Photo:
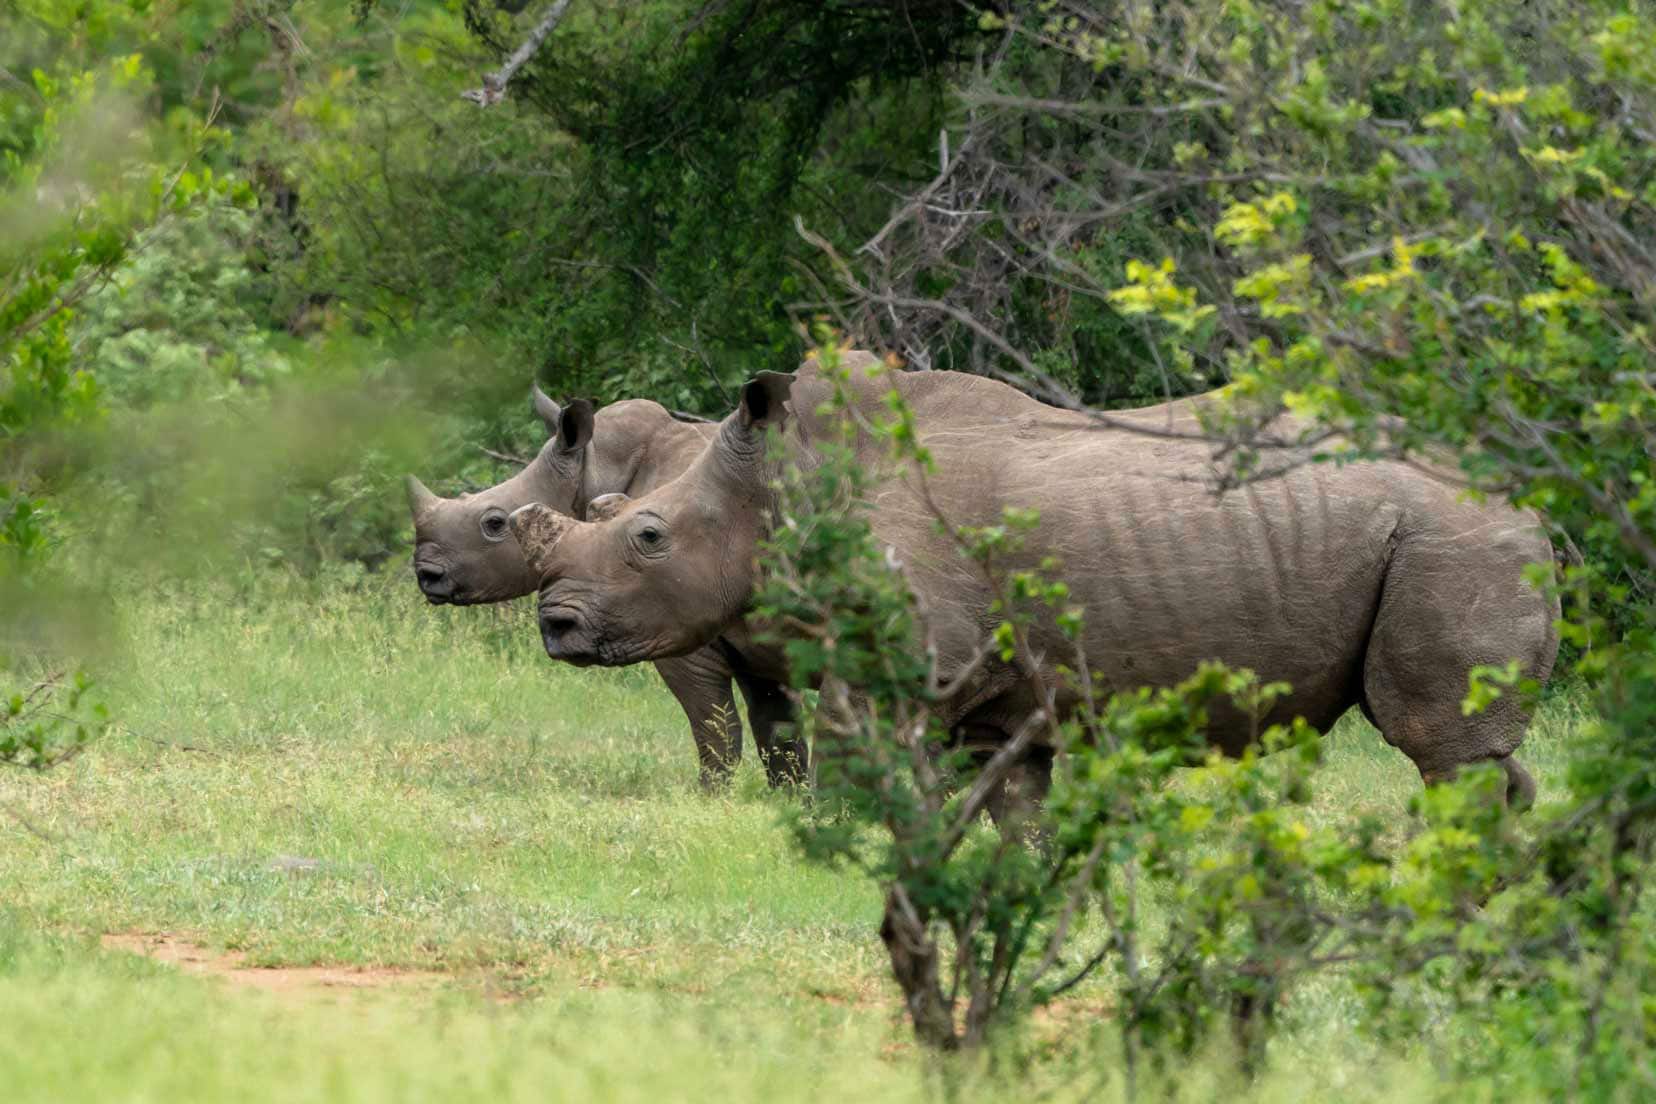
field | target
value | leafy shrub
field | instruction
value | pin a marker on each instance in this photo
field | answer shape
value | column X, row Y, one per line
column 1205, row 901
column 183, row 318
column 1422, row 231
column 48, row 722
column 79, row 179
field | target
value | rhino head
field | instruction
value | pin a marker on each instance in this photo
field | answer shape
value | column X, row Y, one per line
column 665, row 573
column 464, row 552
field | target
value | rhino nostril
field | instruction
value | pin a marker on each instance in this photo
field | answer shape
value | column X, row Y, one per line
column 430, row 576
column 557, row 626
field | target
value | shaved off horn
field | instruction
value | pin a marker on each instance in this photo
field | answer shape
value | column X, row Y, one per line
column 538, row 528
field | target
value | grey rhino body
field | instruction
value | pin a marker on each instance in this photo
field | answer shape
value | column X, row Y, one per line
column 464, row 554
column 1375, row 585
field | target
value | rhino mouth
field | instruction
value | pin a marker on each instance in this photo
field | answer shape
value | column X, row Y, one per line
column 566, row 636
column 435, row 582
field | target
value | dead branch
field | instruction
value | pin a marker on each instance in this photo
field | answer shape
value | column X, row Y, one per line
column 494, row 84
column 504, row 457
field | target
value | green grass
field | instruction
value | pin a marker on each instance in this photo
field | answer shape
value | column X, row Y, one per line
column 530, row 830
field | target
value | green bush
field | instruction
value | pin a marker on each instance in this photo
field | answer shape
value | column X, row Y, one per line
column 1419, row 231
column 81, row 176
column 184, row 318
column 1536, row 939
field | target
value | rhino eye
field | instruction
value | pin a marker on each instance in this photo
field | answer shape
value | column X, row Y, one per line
column 648, row 536
column 493, row 525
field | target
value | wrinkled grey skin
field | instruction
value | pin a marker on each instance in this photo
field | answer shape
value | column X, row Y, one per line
column 465, row 554
column 1372, row 585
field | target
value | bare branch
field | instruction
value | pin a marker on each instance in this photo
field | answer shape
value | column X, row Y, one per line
column 1084, row 108
column 494, row 84
column 503, row 457
column 992, row 774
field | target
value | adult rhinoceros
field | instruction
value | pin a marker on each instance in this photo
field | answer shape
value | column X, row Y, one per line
column 1374, row 585
column 465, row 554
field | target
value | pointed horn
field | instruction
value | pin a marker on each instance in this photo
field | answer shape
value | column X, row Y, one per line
column 420, row 500
column 545, row 408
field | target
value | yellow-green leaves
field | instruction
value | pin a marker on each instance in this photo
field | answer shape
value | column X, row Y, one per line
column 1402, row 269
column 1250, row 225
column 1152, row 291
column 1449, row 117
column 1549, row 156
column 1193, row 818
column 1507, row 98
column 1572, row 286
column 1485, row 683
column 1278, row 288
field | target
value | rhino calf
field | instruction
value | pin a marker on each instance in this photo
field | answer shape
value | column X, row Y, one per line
column 464, row 554
column 1371, row 585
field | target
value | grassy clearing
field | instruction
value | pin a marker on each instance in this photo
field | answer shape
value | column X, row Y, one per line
column 347, row 777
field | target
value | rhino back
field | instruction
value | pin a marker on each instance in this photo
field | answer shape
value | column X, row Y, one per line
column 1284, row 576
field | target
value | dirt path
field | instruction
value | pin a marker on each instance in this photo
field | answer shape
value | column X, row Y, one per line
column 294, row 981
column 1054, row 1021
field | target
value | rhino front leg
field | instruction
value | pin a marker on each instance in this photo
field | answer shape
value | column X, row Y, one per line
column 701, row 683
column 1015, row 805
column 786, row 758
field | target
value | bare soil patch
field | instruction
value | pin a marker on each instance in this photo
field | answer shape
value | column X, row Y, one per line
column 298, row 981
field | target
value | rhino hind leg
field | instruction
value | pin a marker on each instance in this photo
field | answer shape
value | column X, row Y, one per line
column 1445, row 608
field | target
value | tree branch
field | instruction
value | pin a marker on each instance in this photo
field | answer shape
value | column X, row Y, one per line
column 494, row 84
column 504, row 457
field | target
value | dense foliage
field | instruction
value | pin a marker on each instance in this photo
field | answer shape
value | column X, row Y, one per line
column 83, row 176
column 1425, row 230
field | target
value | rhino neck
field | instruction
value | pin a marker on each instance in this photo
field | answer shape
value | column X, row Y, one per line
column 549, row 479
column 736, row 468
column 638, row 447
column 669, row 453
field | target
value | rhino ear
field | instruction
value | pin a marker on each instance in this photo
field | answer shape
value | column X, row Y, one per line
column 574, row 427
column 764, row 399
column 606, row 506
column 545, row 409
column 538, row 528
